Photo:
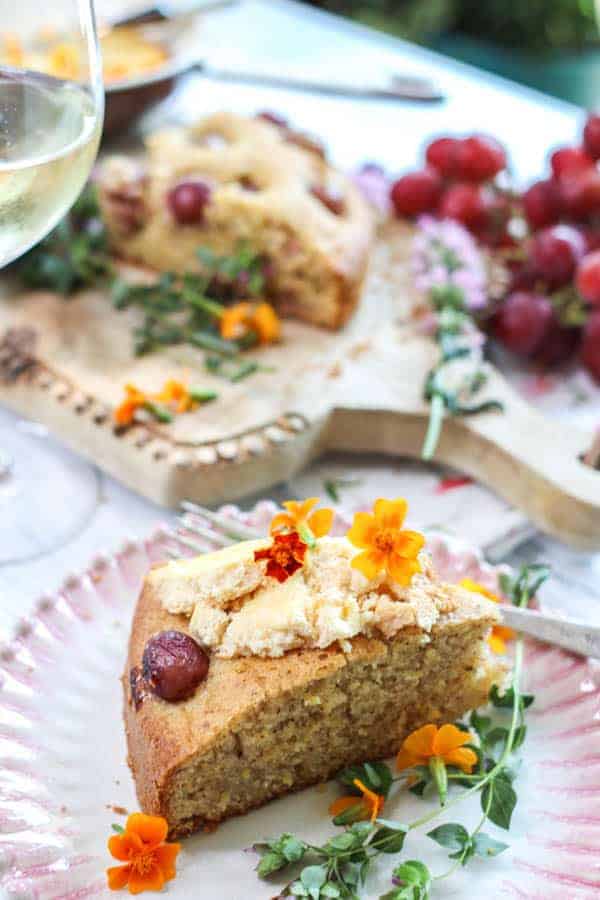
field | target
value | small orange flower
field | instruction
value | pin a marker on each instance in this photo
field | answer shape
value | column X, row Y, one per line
column 284, row 556
column 134, row 399
column 177, row 394
column 430, row 742
column 63, row 62
column 13, row 50
column 149, row 862
column 299, row 518
column 384, row 543
column 500, row 634
column 243, row 318
column 368, row 806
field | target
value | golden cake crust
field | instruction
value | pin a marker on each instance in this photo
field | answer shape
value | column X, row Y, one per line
column 163, row 737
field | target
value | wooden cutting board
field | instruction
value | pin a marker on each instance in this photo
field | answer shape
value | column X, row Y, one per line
column 64, row 362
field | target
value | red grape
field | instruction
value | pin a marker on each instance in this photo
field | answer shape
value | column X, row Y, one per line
column 522, row 321
column 497, row 212
column 441, row 155
column 581, row 194
column 555, row 253
column 558, row 345
column 523, row 277
column 416, row 193
column 465, row 203
column 592, row 239
column 479, row 158
column 590, row 348
column 542, row 204
column 588, row 277
column 570, row 161
column 591, row 135
column 188, row 201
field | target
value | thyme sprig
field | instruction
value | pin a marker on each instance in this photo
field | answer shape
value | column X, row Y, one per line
column 338, row 867
column 451, row 272
column 454, row 383
column 175, row 309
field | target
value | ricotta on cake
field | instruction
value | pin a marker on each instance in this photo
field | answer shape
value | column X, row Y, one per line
column 323, row 670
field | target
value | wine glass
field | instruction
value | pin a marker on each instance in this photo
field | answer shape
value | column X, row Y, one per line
column 51, row 111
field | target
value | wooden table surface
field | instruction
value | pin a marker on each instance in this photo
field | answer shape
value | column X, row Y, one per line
column 288, row 37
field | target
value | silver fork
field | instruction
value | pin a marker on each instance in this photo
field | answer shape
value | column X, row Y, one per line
column 203, row 530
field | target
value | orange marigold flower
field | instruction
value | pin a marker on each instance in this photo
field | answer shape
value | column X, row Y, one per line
column 385, row 544
column 300, row 518
column 134, row 399
column 175, row 393
column 285, row 555
column 149, row 862
column 430, row 742
column 499, row 634
column 367, row 807
column 243, row 318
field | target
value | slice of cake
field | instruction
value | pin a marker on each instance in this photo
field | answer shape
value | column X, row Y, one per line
column 268, row 666
column 231, row 181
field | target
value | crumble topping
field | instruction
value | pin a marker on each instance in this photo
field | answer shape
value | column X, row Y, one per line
column 237, row 610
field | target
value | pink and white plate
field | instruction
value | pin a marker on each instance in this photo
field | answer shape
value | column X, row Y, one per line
column 64, row 778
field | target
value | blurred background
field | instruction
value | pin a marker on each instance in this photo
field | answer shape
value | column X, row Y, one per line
column 552, row 45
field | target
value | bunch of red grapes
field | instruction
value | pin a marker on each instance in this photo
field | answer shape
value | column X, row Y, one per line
column 551, row 311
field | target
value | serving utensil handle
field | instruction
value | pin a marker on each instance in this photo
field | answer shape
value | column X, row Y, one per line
column 578, row 637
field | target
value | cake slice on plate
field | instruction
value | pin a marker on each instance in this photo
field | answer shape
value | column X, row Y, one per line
column 270, row 665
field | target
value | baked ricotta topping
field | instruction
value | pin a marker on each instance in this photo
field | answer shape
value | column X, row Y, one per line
column 236, row 609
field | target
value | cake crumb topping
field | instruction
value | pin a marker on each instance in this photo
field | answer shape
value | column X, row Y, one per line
column 238, row 610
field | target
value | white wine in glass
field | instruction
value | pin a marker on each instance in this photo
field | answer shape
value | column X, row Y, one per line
column 51, row 111
column 49, row 124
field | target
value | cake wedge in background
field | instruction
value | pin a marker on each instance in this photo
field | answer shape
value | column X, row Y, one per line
column 231, row 182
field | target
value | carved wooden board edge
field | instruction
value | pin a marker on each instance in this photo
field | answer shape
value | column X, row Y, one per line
column 52, row 398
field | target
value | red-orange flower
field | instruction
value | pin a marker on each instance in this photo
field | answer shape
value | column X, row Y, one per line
column 385, row 544
column 243, row 318
column 500, row 634
column 299, row 516
column 134, row 399
column 367, row 807
column 149, row 862
column 285, row 555
column 430, row 742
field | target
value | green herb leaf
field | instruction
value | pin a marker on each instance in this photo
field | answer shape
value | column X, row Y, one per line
column 416, row 875
column 452, row 835
column 390, row 840
column 312, row 879
column 117, row 828
column 507, row 699
column 486, row 846
column 199, row 395
column 480, row 724
column 498, row 799
column 332, row 486
column 270, row 862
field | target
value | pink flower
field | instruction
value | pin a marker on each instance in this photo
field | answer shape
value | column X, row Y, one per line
column 444, row 254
